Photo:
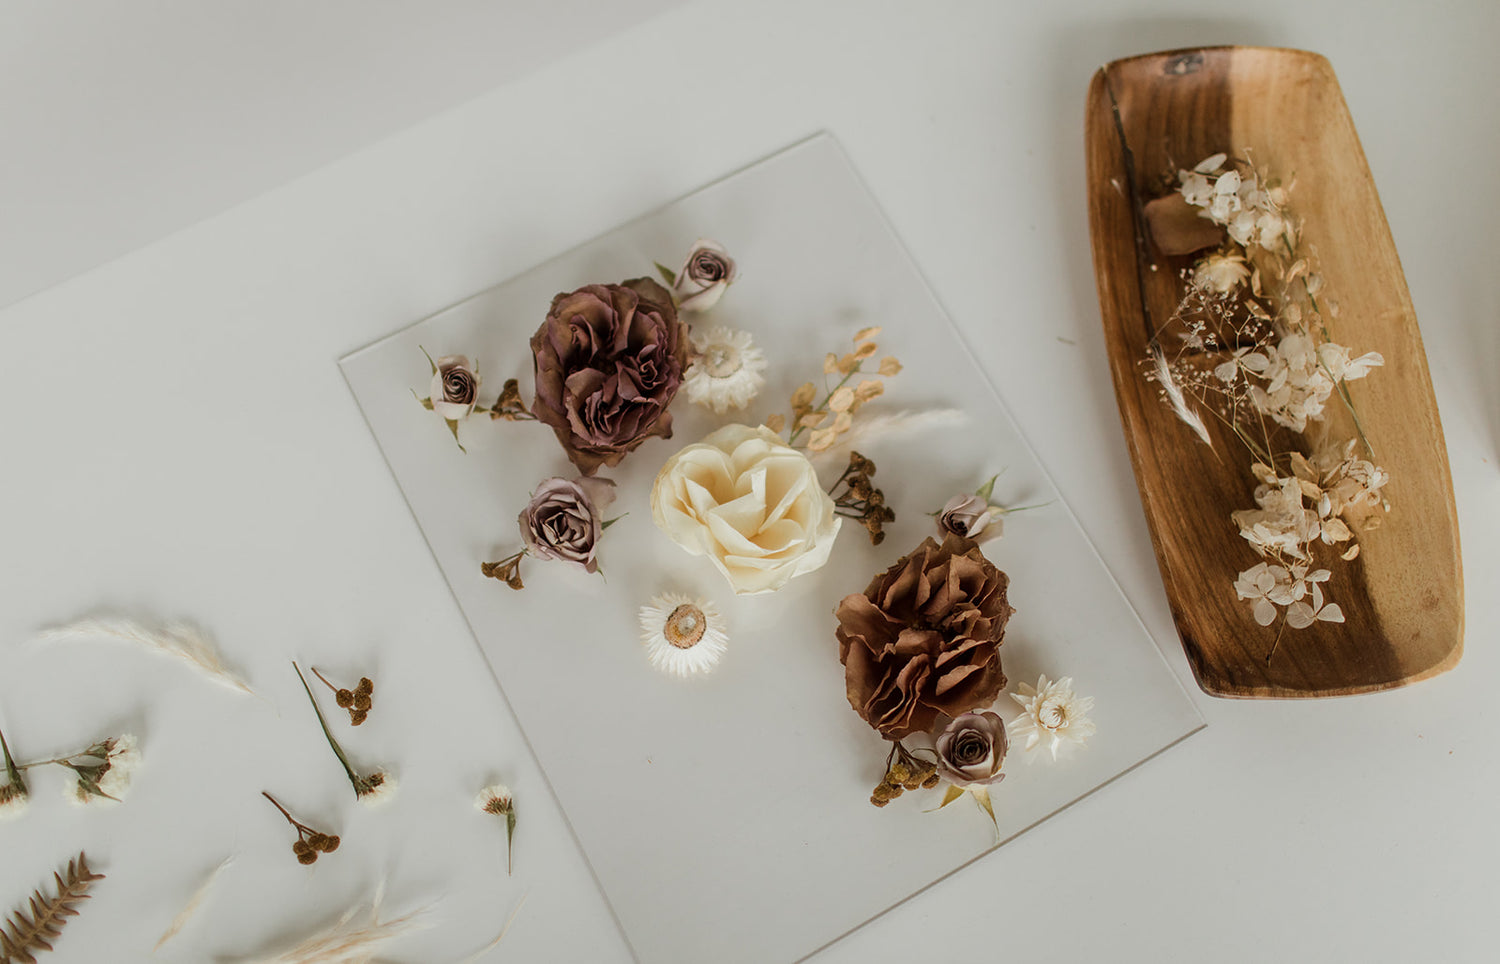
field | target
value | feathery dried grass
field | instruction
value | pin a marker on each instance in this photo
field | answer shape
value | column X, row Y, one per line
column 194, row 902
column 179, row 639
column 345, row 942
column 867, row 430
column 1175, row 397
column 25, row 932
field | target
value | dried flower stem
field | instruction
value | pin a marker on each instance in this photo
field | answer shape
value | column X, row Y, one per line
column 338, row 751
column 507, row 570
column 11, row 770
column 823, row 405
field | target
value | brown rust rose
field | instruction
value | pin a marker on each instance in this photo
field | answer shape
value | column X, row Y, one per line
column 564, row 520
column 924, row 638
column 971, row 750
column 608, row 360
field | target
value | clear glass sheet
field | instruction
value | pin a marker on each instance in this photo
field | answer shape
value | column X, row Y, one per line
column 726, row 817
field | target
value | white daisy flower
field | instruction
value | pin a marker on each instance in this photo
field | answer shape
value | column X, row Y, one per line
column 376, row 789
column 13, row 800
column 497, row 801
column 110, row 778
column 683, row 635
column 726, row 369
column 1052, row 713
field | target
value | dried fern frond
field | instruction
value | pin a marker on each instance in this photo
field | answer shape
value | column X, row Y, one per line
column 182, row 640
column 191, row 907
column 29, row 931
column 346, row 943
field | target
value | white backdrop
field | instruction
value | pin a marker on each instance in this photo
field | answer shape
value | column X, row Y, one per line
column 179, row 441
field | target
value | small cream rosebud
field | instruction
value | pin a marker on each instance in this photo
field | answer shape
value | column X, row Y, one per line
column 706, row 272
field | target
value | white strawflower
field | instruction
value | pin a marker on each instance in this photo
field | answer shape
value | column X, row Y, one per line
column 122, row 761
column 683, row 635
column 377, row 789
column 497, row 801
column 1052, row 714
column 726, row 369
column 110, row 778
column 13, row 800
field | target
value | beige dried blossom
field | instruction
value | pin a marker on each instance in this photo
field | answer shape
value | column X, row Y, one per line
column 842, row 400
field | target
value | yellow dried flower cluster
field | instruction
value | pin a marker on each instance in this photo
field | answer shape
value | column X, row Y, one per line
column 834, row 415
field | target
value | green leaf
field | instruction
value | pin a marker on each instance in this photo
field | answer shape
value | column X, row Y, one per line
column 426, row 402
column 666, row 273
column 453, row 427
column 609, row 522
column 988, row 489
column 429, row 360
column 338, row 751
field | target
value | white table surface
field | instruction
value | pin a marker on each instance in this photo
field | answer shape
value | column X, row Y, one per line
column 178, row 441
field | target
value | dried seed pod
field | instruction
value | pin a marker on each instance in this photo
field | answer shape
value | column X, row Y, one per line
column 366, row 687
column 344, row 698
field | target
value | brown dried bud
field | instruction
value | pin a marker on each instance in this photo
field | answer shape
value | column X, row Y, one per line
column 331, row 843
column 879, row 802
column 302, row 847
column 344, row 698
column 366, row 687
column 307, row 858
column 882, row 792
column 315, row 840
column 362, row 702
column 931, row 781
column 899, row 773
column 356, row 717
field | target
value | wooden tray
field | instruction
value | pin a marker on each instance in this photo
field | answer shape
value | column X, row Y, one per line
column 1403, row 596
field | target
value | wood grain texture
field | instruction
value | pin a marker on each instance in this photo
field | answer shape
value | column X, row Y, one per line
column 1403, row 596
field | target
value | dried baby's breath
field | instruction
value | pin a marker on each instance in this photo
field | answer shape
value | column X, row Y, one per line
column 1257, row 354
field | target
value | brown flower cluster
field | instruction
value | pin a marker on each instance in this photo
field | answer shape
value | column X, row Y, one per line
column 357, row 701
column 903, row 771
column 834, row 415
column 310, row 843
column 923, row 640
column 855, row 497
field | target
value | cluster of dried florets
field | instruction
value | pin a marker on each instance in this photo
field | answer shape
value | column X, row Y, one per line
column 855, row 497
column 903, row 771
column 357, row 701
column 833, row 416
column 1256, row 348
column 310, row 843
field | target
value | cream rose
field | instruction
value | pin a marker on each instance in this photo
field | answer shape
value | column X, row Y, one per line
column 750, row 503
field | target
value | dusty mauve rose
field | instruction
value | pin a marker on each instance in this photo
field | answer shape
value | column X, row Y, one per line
column 924, row 639
column 968, row 516
column 564, row 520
column 455, row 387
column 971, row 750
column 706, row 272
column 609, row 360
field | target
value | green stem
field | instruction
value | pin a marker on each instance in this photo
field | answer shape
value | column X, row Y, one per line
column 337, row 750
column 11, row 770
